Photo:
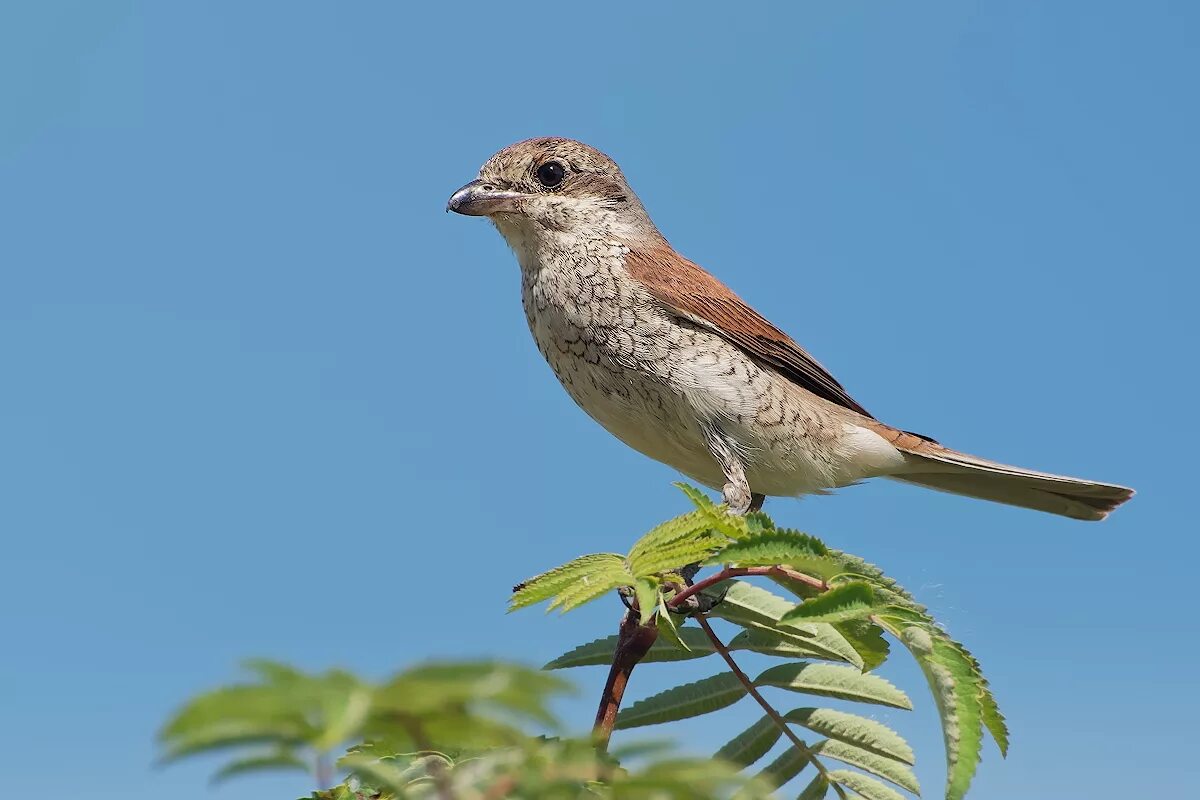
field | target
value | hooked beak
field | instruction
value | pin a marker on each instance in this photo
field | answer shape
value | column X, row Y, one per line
column 480, row 199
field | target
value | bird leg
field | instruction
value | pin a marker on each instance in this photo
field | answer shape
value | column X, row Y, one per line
column 736, row 491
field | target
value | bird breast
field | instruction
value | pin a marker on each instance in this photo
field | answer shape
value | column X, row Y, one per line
column 655, row 381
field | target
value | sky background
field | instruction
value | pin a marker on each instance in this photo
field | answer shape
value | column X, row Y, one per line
column 261, row 397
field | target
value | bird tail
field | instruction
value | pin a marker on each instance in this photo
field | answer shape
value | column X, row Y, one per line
column 933, row 466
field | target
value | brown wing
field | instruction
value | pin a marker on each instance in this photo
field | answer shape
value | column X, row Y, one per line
column 692, row 293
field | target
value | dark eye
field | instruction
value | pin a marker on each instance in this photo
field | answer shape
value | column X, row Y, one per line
column 551, row 174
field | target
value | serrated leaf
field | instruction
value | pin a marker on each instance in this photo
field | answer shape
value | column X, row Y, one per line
column 815, row 790
column 873, row 763
column 863, row 786
column 681, row 702
column 677, row 542
column 993, row 720
column 589, row 587
column 853, row 565
column 908, row 616
column 549, row 584
column 957, row 694
column 867, row 640
column 600, row 652
column 731, row 525
column 751, row 744
column 674, row 557
column 754, row 607
column 802, row 552
column 748, row 605
column 768, row 643
column 788, row 765
column 846, row 602
column 758, row 522
column 265, row 762
column 834, row 680
column 853, row 729
column 698, row 498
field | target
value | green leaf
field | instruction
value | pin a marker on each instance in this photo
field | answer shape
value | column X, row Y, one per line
column 646, row 590
column 768, row 643
column 800, row 551
column 847, row 602
column 834, row 680
column 730, row 525
column 265, row 762
column 758, row 522
column 993, row 720
column 600, row 652
column 863, row 786
column 853, row 565
column 907, row 616
column 754, row 607
column 698, row 498
column 675, row 543
column 589, row 587
column 788, row 765
column 347, row 720
column 853, row 729
column 873, row 763
column 225, row 734
column 442, row 692
column 957, row 693
column 678, row 555
column 586, row 571
column 815, row 790
column 751, row 744
column 681, row 702
column 867, row 640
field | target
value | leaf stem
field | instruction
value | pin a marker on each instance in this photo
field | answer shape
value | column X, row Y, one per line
column 633, row 641
column 737, row 572
column 779, row 721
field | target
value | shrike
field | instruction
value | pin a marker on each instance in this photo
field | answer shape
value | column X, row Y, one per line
column 673, row 363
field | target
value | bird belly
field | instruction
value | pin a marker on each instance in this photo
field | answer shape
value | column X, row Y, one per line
column 639, row 408
column 658, row 382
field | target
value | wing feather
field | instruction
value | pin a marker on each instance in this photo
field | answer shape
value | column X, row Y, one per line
column 692, row 293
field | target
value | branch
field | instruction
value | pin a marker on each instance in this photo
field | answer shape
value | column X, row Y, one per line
column 633, row 641
column 737, row 572
column 782, row 724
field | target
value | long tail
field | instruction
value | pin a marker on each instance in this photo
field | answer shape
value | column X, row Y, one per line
column 931, row 465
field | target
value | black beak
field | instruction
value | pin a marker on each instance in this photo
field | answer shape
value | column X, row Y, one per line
column 479, row 199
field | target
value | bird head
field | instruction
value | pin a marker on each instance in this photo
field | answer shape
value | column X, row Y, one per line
column 554, row 186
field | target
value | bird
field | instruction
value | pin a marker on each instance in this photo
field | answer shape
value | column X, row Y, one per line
column 673, row 363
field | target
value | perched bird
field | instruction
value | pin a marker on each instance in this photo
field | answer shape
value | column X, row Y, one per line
column 673, row 363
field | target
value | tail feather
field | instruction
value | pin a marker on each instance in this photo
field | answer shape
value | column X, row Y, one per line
column 947, row 470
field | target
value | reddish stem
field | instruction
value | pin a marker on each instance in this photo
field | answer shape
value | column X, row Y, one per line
column 633, row 641
column 737, row 572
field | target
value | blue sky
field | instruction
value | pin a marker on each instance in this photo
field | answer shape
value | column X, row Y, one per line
column 261, row 396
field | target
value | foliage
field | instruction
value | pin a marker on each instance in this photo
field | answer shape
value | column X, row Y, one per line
column 840, row 608
column 469, row 730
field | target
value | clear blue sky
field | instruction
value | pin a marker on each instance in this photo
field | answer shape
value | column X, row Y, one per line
column 259, row 390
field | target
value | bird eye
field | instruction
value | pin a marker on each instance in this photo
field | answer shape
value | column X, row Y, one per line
column 550, row 174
